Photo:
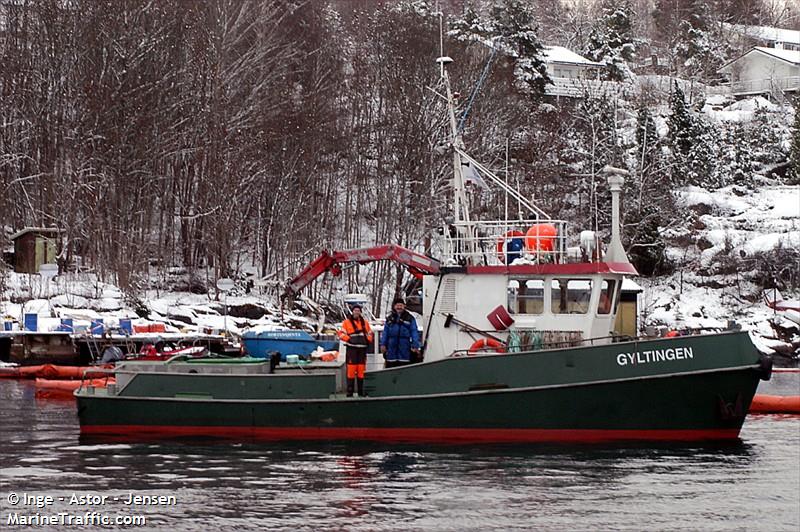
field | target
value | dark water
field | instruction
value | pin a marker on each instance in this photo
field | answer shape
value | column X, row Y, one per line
column 753, row 484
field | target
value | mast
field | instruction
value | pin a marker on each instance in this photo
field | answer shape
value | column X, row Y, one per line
column 460, row 207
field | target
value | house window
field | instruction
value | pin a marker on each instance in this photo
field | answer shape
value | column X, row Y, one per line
column 526, row 296
column 606, row 296
column 570, row 296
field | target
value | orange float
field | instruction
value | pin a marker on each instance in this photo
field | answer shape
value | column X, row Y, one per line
column 65, row 388
column 50, row 371
column 775, row 404
column 46, row 371
column 9, row 373
column 541, row 237
column 487, row 343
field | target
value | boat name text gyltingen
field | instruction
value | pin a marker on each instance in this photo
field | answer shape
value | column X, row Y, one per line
column 656, row 355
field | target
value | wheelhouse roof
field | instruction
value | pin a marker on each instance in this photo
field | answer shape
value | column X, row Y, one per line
column 581, row 268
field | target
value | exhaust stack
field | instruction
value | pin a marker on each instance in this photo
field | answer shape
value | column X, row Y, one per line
column 616, row 178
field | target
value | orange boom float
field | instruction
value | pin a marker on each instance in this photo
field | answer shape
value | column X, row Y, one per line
column 775, row 404
column 49, row 371
column 50, row 388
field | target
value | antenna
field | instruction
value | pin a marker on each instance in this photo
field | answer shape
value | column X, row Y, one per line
column 441, row 37
column 506, row 191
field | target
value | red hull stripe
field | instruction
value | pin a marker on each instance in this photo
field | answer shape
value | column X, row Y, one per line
column 411, row 434
column 567, row 269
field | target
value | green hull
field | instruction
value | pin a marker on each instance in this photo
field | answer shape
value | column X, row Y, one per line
column 570, row 394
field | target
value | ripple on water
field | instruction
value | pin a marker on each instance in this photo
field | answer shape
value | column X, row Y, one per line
column 40, row 459
column 95, row 448
column 752, row 484
column 28, row 471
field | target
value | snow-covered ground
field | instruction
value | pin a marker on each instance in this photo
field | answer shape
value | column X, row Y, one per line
column 84, row 299
column 728, row 223
column 742, row 223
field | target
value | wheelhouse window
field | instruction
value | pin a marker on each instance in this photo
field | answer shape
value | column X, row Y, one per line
column 606, row 296
column 570, row 296
column 618, row 296
column 526, row 296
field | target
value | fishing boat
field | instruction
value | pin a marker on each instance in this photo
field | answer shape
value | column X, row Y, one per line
column 517, row 322
column 286, row 342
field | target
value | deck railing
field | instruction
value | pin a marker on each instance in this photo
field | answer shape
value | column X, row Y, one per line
column 762, row 86
column 499, row 242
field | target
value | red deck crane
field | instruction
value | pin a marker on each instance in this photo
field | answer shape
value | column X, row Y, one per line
column 415, row 263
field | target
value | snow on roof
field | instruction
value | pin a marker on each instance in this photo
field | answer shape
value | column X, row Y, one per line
column 629, row 285
column 559, row 54
column 44, row 230
column 789, row 56
column 767, row 33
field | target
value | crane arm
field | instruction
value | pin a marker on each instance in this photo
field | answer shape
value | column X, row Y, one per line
column 416, row 263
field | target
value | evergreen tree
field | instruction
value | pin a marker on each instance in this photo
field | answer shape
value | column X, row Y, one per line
column 689, row 29
column 680, row 123
column 794, row 155
column 611, row 40
column 649, row 145
column 694, row 145
column 704, row 154
column 644, row 240
column 764, row 137
column 700, row 45
column 736, row 157
column 511, row 27
column 668, row 15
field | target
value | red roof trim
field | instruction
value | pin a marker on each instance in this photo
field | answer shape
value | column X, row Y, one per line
column 582, row 268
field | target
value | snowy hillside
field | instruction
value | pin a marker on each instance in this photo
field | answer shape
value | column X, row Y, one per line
column 164, row 158
column 730, row 229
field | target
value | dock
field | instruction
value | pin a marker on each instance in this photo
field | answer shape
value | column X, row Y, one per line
column 68, row 348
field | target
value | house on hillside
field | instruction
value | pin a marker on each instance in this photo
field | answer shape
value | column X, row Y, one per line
column 763, row 70
column 564, row 63
column 573, row 75
column 766, row 36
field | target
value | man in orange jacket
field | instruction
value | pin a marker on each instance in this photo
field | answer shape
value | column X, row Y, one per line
column 356, row 335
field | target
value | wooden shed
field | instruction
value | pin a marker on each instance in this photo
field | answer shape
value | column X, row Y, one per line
column 34, row 246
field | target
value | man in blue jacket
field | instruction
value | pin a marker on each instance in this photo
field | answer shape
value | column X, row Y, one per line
column 400, row 337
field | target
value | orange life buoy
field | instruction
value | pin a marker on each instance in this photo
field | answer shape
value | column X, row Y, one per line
column 541, row 237
column 501, row 243
column 485, row 343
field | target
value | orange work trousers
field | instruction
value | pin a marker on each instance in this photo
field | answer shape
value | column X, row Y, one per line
column 356, row 370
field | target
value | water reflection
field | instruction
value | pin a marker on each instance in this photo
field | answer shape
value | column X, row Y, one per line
column 750, row 483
